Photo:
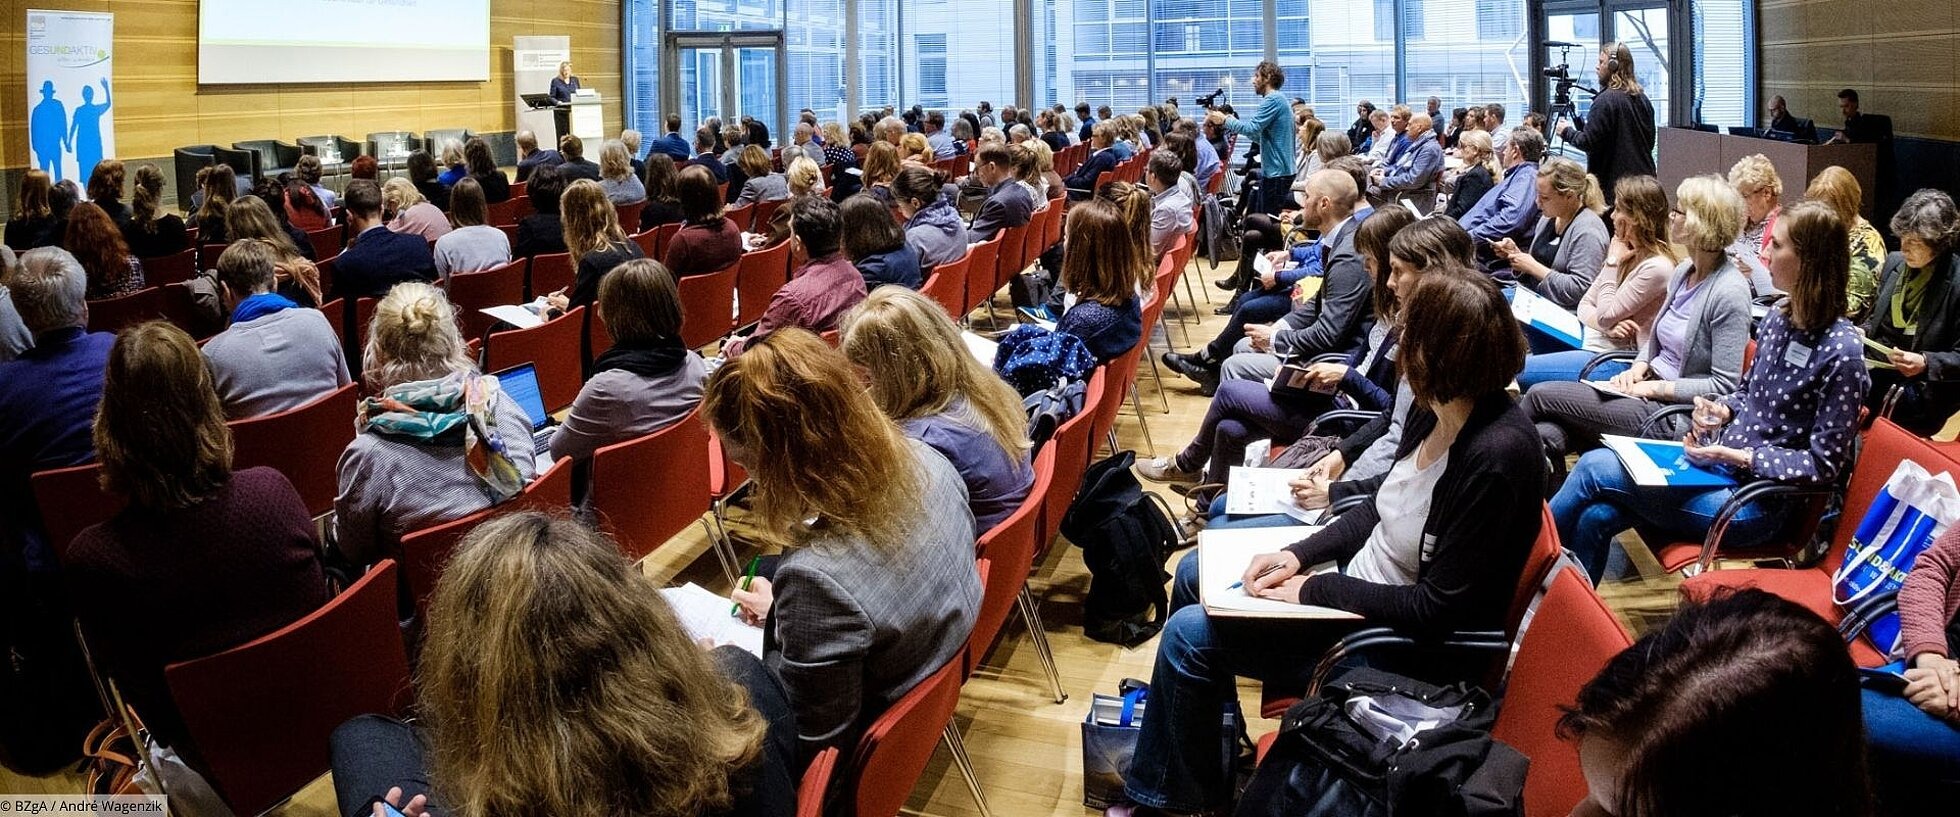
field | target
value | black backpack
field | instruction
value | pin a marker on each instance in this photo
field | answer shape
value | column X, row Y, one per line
column 1126, row 535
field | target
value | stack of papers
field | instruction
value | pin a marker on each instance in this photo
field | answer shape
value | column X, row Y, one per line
column 1259, row 491
column 1222, row 558
column 522, row 316
column 1884, row 353
column 1663, row 463
column 1547, row 317
column 705, row 615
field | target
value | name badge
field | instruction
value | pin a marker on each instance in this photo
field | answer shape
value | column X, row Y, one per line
column 1797, row 355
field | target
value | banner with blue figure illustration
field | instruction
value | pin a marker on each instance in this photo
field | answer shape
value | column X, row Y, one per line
column 70, row 119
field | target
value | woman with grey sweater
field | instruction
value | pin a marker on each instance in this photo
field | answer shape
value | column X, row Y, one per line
column 648, row 379
column 1698, row 339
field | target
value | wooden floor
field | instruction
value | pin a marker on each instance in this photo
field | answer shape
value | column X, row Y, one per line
column 1026, row 748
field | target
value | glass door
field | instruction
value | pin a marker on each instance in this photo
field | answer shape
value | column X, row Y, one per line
column 1644, row 30
column 726, row 75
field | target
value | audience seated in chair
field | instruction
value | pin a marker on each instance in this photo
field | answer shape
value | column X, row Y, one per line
column 662, row 205
column 96, row 242
column 471, row 245
column 848, row 496
column 817, row 295
column 1619, row 306
column 410, row 214
column 1009, row 203
column 250, row 219
column 427, row 179
column 422, row 456
column 1756, row 181
column 33, row 223
column 1510, row 208
column 921, row 374
column 605, row 704
column 1170, row 203
column 759, row 181
column 376, row 258
column 616, row 175
column 1563, row 253
column 203, row 558
column 648, row 379
column 276, row 355
column 707, row 241
column 1915, row 313
column 575, row 166
column 1439, row 548
column 543, row 231
column 1914, row 734
column 530, row 158
column 932, row 222
column 594, row 239
column 151, row 232
column 1105, row 267
column 876, row 244
column 1792, row 419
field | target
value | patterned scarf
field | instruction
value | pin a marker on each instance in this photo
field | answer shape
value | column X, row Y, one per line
column 436, row 411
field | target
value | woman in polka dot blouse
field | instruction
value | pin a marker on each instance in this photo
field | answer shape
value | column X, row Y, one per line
column 1793, row 419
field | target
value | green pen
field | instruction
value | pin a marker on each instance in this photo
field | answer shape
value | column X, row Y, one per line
column 748, row 577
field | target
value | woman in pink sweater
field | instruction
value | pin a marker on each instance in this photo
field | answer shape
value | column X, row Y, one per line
column 1915, row 736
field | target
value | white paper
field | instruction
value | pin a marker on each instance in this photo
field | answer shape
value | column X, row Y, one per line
column 705, row 615
column 1265, row 491
column 983, row 349
column 518, row 315
column 1222, row 559
column 1529, row 308
column 1605, row 387
column 1262, row 265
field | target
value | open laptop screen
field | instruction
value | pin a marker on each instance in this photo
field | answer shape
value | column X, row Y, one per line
column 521, row 383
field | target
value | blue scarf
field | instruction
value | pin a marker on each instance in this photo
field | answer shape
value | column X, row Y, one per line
column 259, row 306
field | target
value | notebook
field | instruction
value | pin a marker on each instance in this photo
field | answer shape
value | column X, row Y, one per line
column 1663, row 462
column 1222, row 559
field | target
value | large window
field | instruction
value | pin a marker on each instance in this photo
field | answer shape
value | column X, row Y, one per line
column 1724, row 39
column 962, row 53
column 1458, row 60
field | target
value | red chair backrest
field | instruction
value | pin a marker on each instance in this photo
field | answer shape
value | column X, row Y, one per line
column 724, row 473
column 1569, row 639
column 982, row 265
column 180, row 308
column 549, row 273
column 517, row 189
column 662, row 236
column 1009, row 550
column 947, row 287
column 207, row 255
column 708, row 305
column 764, row 212
column 510, row 232
column 170, row 269
column 425, row 552
column 71, row 500
column 261, row 713
column 649, row 242
column 553, row 346
column 327, row 241
column 762, row 273
column 1013, row 242
column 1073, row 442
column 1544, row 554
column 336, row 312
column 897, row 746
column 743, row 216
column 1885, row 446
column 303, row 443
column 503, row 212
column 326, row 268
column 363, row 320
column 815, row 787
column 1121, row 371
column 647, row 489
column 629, row 214
column 119, row 313
column 473, row 292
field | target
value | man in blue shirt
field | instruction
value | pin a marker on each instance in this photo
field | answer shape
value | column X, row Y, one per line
column 1272, row 127
column 938, row 138
column 673, row 144
column 1088, row 122
column 1510, row 209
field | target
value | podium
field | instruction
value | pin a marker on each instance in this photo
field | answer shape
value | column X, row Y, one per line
column 1685, row 152
column 582, row 118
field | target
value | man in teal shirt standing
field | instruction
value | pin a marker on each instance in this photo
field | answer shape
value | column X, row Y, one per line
column 1272, row 128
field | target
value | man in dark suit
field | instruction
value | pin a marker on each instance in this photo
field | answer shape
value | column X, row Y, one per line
column 377, row 258
column 1088, row 122
column 1008, row 203
column 704, row 146
column 1861, row 128
column 1082, row 183
column 576, row 166
column 529, row 158
column 673, row 144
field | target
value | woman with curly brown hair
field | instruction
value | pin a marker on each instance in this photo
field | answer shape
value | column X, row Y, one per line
column 555, row 679
column 96, row 242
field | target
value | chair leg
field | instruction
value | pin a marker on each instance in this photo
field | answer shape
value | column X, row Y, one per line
column 1186, row 275
column 1159, row 379
column 719, row 543
column 1031, row 611
column 1112, row 439
column 957, row 746
column 1137, row 403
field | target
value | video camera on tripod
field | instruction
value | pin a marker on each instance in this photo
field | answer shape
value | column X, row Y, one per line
column 1210, row 101
column 1562, row 85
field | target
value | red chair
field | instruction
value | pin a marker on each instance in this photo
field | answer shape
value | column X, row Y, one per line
column 629, row 214
column 598, row 338
column 764, row 212
column 1009, row 549
column 762, row 273
column 170, row 269
column 303, row 443
column 121, row 312
column 708, row 305
column 662, row 236
column 983, row 261
column 649, row 242
column 1122, row 380
column 426, row 551
column 261, row 713
column 1013, row 242
column 725, row 479
column 1074, row 442
column 361, row 318
column 645, row 491
column 180, row 308
column 327, row 241
column 517, row 189
column 550, row 273
column 554, row 347
column 510, row 233
column 1885, row 446
column 815, row 787
column 898, row 745
column 947, row 286
column 503, row 212
column 326, row 267
column 743, row 216
column 71, row 500
column 473, row 292
column 207, row 255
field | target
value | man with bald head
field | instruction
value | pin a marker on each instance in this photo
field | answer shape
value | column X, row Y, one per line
column 1330, row 306
column 530, row 158
column 1414, row 175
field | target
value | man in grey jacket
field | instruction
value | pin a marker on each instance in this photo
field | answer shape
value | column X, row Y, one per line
column 1336, row 316
column 1008, row 203
column 277, row 355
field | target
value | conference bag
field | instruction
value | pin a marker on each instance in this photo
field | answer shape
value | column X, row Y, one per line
column 1914, row 508
column 1377, row 744
column 1109, row 740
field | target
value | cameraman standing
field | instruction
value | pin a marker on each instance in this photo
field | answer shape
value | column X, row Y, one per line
column 1271, row 127
column 1619, row 139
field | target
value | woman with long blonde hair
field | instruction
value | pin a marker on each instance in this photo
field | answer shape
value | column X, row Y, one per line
column 299, row 279
column 1568, row 245
column 616, row 175
column 877, row 588
column 555, row 679
column 595, row 240
column 913, row 149
column 922, row 376
column 1480, row 173
column 881, row 168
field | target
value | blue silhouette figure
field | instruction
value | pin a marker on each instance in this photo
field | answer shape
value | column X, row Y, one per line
column 49, row 128
column 85, row 132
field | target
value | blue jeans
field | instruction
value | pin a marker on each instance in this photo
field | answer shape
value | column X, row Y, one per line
column 1600, row 499
column 1912, row 753
column 1176, row 765
column 1255, row 306
column 1219, row 520
column 1565, row 365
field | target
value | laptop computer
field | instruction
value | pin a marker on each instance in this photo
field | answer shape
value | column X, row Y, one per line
column 521, row 383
